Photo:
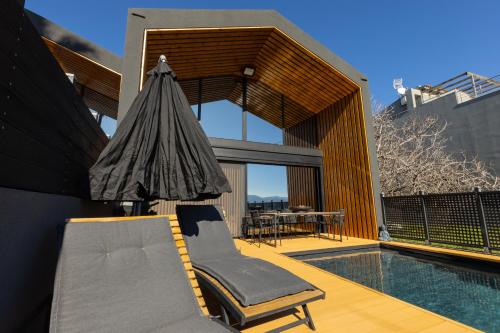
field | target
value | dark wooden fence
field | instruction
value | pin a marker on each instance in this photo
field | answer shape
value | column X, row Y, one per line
column 268, row 205
column 470, row 220
column 48, row 138
column 48, row 141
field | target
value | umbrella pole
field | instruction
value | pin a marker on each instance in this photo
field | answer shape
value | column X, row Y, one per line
column 136, row 208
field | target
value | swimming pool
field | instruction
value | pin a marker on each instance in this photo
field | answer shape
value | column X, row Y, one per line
column 462, row 292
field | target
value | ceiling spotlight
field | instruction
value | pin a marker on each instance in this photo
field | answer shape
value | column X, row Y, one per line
column 248, row 71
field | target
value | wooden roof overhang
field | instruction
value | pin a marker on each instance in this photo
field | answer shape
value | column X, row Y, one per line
column 103, row 82
column 96, row 69
column 287, row 74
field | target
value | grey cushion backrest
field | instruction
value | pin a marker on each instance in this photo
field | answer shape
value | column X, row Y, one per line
column 206, row 233
column 122, row 276
column 212, row 249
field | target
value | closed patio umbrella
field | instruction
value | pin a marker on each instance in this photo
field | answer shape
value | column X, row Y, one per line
column 159, row 151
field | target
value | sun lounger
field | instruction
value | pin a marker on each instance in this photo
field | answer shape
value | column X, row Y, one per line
column 124, row 275
column 247, row 288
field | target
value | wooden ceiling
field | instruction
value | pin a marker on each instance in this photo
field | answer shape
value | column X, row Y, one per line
column 87, row 72
column 218, row 55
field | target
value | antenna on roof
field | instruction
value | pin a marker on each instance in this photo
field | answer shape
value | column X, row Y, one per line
column 398, row 85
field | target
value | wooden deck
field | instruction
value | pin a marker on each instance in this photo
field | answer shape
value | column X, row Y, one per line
column 348, row 307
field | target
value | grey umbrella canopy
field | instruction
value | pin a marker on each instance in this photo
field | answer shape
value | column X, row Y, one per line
column 159, row 150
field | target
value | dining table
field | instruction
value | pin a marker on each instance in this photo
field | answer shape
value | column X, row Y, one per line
column 277, row 215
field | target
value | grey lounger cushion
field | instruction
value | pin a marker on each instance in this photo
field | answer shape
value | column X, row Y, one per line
column 211, row 249
column 124, row 276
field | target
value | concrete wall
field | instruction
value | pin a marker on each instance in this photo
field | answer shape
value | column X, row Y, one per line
column 473, row 127
column 29, row 251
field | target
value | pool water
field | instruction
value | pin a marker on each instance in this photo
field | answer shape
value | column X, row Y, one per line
column 459, row 292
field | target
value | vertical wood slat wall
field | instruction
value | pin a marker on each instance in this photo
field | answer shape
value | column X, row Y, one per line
column 301, row 183
column 339, row 131
column 301, row 180
column 233, row 203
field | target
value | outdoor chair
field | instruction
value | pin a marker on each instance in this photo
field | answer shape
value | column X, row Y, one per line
column 311, row 222
column 246, row 226
column 247, row 288
column 337, row 220
column 308, row 222
column 254, row 226
column 124, row 275
column 289, row 222
column 272, row 224
column 260, row 224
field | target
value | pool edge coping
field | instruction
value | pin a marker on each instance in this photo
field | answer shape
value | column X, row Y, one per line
column 481, row 257
column 473, row 256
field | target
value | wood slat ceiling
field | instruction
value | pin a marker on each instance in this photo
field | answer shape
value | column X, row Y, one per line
column 87, row 72
column 265, row 103
column 283, row 67
column 214, row 89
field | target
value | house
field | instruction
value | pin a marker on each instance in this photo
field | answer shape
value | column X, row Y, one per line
column 49, row 139
column 321, row 103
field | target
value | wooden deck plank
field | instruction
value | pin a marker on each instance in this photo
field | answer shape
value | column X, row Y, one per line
column 296, row 244
column 348, row 307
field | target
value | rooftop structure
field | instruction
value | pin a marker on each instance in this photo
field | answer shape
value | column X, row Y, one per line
column 468, row 103
column 466, row 86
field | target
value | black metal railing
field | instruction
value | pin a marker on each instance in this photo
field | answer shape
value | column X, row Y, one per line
column 268, row 205
column 470, row 220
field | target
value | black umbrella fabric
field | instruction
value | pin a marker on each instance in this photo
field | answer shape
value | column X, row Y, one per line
column 159, row 151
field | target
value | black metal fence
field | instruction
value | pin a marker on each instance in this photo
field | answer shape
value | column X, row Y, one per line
column 268, row 205
column 469, row 220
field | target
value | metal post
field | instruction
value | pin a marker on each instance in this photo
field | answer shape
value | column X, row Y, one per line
column 282, row 111
column 382, row 196
column 482, row 220
column 244, row 109
column 200, row 97
column 245, row 183
column 282, row 207
column 137, row 208
column 426, row 221
column 82, row 91
column 283, row 131
column 474, row 85
column 382, row 206
column 99, row 118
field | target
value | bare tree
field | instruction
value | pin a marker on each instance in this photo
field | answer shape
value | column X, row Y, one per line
column 412, row 157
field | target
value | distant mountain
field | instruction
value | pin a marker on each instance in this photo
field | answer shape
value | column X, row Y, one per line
column 256, row 198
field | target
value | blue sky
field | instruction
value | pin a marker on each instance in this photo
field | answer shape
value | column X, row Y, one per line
column 422, row 42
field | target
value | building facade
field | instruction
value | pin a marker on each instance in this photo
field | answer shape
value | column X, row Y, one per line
column 469, row 104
